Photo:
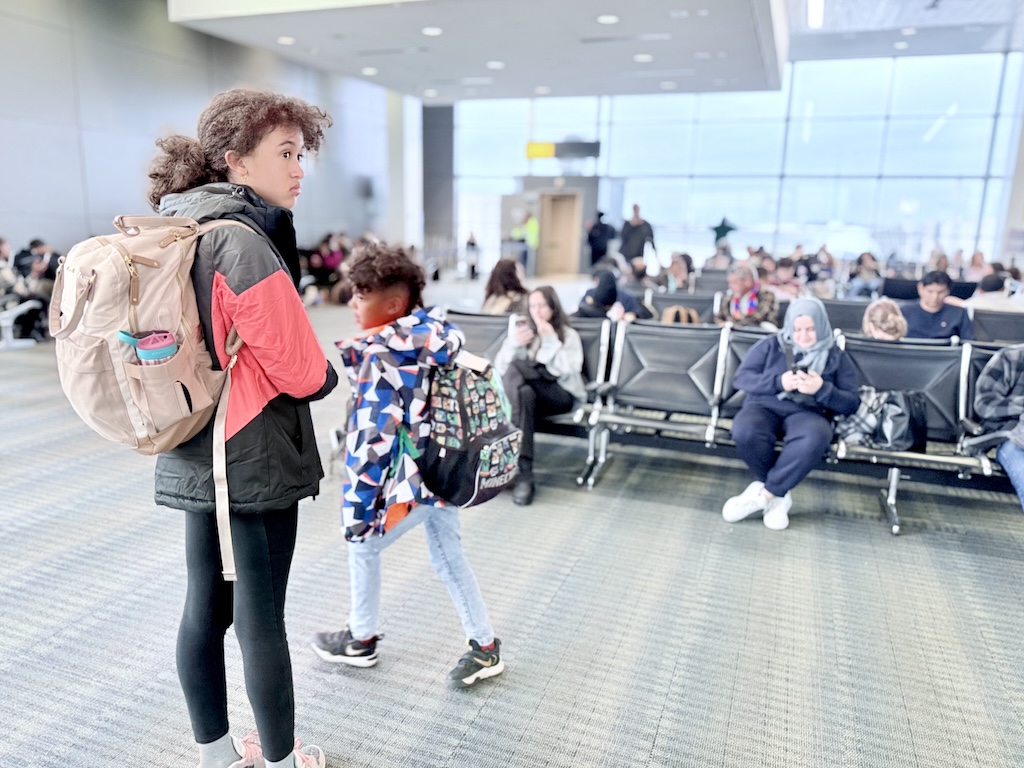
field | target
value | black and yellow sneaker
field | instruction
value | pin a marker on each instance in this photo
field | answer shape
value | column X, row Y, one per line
column 476, row 664
column 342, row 648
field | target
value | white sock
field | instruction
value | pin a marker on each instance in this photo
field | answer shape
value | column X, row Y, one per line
column 288, row 761
column 218, row 754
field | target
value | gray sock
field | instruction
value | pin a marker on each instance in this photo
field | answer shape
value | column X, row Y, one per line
column 288, row 761
column 218, row 754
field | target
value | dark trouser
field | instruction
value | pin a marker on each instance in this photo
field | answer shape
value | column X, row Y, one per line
column 530, row 396
column 263, row 545
column 805, row 435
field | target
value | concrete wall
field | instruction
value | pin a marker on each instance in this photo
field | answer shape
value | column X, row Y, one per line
column 89, row 85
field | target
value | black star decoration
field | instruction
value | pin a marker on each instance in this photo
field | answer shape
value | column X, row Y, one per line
column 722, row 229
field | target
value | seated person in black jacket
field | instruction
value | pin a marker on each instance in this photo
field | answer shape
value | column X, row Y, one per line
column 607, row 299
column 795, row 382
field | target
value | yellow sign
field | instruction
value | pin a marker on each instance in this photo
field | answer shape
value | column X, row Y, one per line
column 537, row 149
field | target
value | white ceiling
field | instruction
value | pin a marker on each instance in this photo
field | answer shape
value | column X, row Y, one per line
column 558, row 45
column 694, row 45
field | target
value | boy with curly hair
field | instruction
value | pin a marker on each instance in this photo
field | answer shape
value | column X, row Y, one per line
column 383, row 495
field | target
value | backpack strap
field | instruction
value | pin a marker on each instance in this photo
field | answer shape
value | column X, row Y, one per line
column 220, row 464
column 83, row 289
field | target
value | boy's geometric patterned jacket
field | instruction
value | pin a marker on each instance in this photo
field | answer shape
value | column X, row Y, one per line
column 388, row 370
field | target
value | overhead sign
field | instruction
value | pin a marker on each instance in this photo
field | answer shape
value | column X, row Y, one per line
column 564, row 149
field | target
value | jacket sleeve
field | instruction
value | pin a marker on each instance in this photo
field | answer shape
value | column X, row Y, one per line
column 753, row 376
column 371, row 445
column 508, row 352
column 261, row 301
column 842, row 394
column 765, row 312
column 993, row 398
column 561, row 357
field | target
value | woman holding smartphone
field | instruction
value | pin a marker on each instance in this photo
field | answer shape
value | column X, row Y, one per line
column 795, row 382
column 541, row 364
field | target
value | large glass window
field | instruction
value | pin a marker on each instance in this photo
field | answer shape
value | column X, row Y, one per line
column 831, row 147
column 846, row 88
column 739, row 147
column 930, row 86
column 897, row 153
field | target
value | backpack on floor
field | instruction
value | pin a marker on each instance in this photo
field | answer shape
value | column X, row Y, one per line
column 109, row 294
column 472, row 454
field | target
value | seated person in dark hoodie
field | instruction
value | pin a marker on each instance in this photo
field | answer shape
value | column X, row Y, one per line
column 606, row 299
column 795, row 382
column 931, row 317
column 383, row 495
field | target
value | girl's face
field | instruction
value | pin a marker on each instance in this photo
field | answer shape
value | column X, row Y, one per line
column 540, row 311
column 273, row 170
column 805, row 335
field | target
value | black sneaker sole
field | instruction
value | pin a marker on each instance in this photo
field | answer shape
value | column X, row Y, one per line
column 337, row 658
column 481, row 674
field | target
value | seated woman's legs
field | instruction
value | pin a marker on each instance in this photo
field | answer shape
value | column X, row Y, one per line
column 1011, row 458
column 530, row 396
column 755, row 430
column 806, row 437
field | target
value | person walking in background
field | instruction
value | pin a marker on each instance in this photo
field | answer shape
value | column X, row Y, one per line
column 246, row 166
column 600, row 233
column 541, row 365
column 383, row 495
column 636, row 233
column 795, row 382
column 505, row 291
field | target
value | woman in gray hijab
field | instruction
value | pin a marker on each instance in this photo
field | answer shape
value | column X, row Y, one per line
column 795, row 382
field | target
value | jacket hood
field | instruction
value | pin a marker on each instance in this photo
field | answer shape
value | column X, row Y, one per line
column 423, row 336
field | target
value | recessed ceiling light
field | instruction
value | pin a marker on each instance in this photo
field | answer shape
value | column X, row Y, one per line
column 286, row 40
column 679, row 13
column 430, row 93
column 643, row 58
column 369, row 71
column 702, row 54
column 901, row 45
column 542, row 90
column 495, row 64
column 703, row 12
column 432, row 31
column 908, row 31
column 668, row 85
column 607, row 18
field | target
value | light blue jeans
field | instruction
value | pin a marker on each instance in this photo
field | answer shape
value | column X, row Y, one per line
column 1011, row 459
column 444, row 547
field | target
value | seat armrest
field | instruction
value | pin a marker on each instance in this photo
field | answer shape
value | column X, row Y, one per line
column 978, row 444
column 972, row 428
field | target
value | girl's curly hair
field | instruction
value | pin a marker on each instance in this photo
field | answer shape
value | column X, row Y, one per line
column 237, row 119
column 379, row 267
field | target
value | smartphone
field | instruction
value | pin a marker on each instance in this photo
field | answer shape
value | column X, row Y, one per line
column 520, row 321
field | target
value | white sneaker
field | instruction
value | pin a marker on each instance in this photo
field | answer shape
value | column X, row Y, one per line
column 776, row 515
column 750, row 502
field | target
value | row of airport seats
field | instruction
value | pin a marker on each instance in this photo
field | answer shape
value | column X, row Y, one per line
column 845, row 316
column 671, row 386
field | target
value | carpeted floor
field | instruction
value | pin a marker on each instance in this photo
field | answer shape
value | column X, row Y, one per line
column 639, row 629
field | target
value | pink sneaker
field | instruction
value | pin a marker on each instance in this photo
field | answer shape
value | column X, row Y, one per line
column 309, row 757
column 250, row 750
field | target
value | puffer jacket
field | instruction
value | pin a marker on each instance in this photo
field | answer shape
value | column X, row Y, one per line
column 241, row 279
column 389, row 369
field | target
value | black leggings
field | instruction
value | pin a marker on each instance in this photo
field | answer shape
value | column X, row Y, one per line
column 263, row 545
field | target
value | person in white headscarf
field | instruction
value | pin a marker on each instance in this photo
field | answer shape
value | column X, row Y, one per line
column 795, row 382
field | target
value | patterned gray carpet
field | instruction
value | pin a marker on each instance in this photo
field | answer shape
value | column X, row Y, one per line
column 638, row 628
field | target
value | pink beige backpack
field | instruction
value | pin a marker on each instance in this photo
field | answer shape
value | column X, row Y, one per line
column 114, row 288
